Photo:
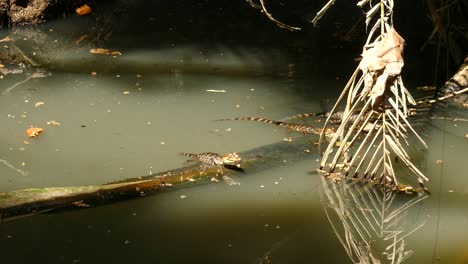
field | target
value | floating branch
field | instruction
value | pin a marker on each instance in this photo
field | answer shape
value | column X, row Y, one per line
column 21, row 203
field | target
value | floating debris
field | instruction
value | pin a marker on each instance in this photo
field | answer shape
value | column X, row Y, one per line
column 213, row 179
column 13, row 167
column 183, row 196
column 39, row 104
column 34, row 131
column 406, row 189
column 216, row 91
column 81, row 39
column 83, row 10
column 288, row 139
column 5, row 39
column 81, row 204
column 126, row 92
column 53, row 123
column 101, row 51
column 426, row 88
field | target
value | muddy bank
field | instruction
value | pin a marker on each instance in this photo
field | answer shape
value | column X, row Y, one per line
column 23, row 12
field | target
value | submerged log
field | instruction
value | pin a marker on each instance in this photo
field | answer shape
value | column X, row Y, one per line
column 21, row 203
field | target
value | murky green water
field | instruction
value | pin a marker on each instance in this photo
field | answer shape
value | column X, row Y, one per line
column 142, row 108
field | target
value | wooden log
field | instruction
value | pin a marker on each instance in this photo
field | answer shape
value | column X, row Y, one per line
column 459, row 80
column 25, row 202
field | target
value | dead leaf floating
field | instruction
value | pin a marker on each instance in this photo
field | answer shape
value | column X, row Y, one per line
column 53, row 123
column 81, row 39
column 101, row 51
column 83, row 10
column 216, row 91
column 5, row 39
column 34, row 131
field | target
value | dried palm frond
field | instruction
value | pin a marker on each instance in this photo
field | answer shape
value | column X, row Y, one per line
column 374, row 129
column 371, row 221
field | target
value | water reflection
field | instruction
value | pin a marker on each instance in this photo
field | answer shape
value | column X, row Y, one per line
column 372, row 222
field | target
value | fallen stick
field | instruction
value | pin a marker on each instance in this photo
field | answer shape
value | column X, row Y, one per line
column 26, row 202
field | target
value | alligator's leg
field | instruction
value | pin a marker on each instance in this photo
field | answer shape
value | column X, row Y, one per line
column 204, row 168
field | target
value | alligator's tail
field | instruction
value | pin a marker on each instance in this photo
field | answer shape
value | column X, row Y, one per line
column 258, row 119
column 190, row 155
column 304, row 115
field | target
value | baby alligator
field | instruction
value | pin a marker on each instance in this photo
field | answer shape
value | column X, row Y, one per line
column 214, row 159
column 301, row 128
column 210, row 159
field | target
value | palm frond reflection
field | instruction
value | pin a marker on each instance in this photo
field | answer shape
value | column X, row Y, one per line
column 371, row 221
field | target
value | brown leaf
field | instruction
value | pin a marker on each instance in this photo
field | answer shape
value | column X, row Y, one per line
column 34, row 131
column 388, row 50
column 83, row 10
column 81, row 39
column 381, row 63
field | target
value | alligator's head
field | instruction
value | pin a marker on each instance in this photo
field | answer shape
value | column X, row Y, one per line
column 231, row 159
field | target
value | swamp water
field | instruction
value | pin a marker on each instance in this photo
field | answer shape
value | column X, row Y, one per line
column 142, row 108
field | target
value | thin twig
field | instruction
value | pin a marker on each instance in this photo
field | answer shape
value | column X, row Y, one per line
column 322, row 12
column 277, row 22
column 254, row 5
column 9, row 165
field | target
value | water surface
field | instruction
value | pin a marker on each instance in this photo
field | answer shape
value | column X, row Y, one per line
column 139, row 110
